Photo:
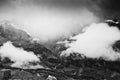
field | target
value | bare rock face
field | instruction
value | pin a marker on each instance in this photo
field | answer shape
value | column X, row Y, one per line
column 74, row 67
column 5, row 74
column 12, row 33
column 19, row 38
column 116, row 46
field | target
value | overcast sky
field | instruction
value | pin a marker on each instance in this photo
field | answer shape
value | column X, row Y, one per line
column 108, row 7
column 60, row 17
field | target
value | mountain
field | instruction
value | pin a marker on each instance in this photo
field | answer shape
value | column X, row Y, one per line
column 21, row 39
column 73, row 67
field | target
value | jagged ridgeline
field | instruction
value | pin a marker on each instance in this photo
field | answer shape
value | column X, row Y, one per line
column 76, row 66
column 21, row 39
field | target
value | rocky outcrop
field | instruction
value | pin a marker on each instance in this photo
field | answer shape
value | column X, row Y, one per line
column 73, row 67
column 21, row 39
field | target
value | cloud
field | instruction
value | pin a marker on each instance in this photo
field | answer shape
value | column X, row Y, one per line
column 17, row 55
column 96, row 42
column 48, row 23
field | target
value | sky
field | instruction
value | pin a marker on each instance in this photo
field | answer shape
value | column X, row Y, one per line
column 52, row 19
column 107, row 6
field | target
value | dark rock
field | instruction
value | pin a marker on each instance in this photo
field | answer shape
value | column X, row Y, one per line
column 5, row 74
column 113, row 23
column 21, row 39
column 116, row 46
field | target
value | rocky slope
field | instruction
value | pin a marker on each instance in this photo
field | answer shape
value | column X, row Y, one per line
column 73, row 67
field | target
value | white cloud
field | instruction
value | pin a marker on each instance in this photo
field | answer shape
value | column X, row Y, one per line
column 96, row 42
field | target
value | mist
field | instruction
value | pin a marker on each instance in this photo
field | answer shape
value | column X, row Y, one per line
column 47, row 22
column 55, row 20
column 96, row 41
column 20, row 57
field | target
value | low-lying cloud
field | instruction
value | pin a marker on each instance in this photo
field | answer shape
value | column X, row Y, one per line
column 20, row 57
column 96, row 41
